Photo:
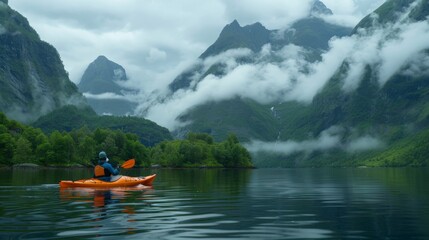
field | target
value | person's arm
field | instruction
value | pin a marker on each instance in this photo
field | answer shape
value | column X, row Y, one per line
column 112, row 170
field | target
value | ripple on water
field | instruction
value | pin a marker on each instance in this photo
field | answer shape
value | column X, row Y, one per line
column 301, row 205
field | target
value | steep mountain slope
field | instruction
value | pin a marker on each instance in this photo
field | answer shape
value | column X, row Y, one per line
column 377, row 96
column 312, row 34
column 392, row 110
column 222, row 118
column 399, row 102
column 387, row 13
column 32, row 74
column 106, row 77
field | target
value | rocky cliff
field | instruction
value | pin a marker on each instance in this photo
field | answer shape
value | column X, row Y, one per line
column 32, row 75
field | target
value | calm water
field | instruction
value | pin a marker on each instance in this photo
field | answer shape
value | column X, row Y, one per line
column 220, row 204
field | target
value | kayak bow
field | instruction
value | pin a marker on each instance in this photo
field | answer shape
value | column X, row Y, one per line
column 121, row 181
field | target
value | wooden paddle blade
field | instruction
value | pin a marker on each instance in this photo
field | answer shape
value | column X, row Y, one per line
column 129, row 163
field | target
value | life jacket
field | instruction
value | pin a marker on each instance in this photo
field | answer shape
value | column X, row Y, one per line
column 100, row 171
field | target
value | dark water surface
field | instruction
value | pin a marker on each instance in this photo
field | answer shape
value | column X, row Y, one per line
column 220, row 204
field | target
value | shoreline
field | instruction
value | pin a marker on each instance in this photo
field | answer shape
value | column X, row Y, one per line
column 77, row 166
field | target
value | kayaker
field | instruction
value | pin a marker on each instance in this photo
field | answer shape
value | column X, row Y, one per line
column 104, row 170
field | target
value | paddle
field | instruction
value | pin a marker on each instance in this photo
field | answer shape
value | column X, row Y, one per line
column 128, row 164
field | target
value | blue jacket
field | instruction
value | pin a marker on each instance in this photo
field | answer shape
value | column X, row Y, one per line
column 108, row 170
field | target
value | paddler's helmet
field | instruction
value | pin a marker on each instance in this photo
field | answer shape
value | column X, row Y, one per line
column 102, row 155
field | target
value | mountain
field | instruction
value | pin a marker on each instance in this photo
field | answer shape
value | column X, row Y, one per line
column 393, row 111
column 253, row 120
column 311, row 33
column 319, row 8
column 70, row 117
column 375, row 122
column 398, row 102
column 32, row 75
column 106, row 77
column 101, row 76
column 234, row 36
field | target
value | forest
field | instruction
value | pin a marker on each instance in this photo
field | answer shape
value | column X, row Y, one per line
column 20, row 143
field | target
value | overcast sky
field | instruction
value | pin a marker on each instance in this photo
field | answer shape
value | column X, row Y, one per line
column 155, row 40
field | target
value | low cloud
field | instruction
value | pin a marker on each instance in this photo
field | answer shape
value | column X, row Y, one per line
column 156, row 55
column 389, row 48
column 111, row 96
column 329, row 139
column 400, row 51
column 349, row 12
column 419, row 66
column 364, row 143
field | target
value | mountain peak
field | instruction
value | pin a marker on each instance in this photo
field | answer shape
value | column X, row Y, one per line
column 232, row 27
column 256, row 25
column 100, row 76
column 319, row 8
column 235, row 23
column 234, row 36
column 4, row 1
column 101, row 58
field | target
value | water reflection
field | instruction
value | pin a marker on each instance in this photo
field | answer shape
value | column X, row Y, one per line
column 113, row 210
column 103, row 197
column 227, row 204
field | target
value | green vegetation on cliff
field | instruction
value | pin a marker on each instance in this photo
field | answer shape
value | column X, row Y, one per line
column 412, row 151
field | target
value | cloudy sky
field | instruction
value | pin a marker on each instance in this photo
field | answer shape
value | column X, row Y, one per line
column 156, row 40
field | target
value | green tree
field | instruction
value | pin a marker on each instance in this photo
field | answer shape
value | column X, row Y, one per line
column 33, row 136
column 109, row 145
column 192, row 153
column 167, row 154
column 45, row 154
column 86, row 151
column 23, row 151
column 100, row 135
column 7, row 146
column 231, row 153
column 62, row 147
column 200, row 136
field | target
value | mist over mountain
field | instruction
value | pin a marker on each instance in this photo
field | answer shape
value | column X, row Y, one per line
column 376, row 97
column 338, row 94
column 103, row 85
column 249, row 62
column 311, row 33
column 33, row 79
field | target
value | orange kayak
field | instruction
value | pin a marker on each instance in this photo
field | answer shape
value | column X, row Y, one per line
column 118, row 181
